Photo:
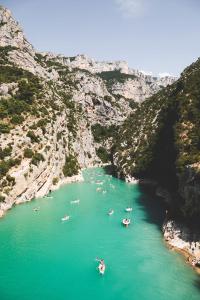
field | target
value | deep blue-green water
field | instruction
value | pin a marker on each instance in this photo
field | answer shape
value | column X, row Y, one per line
column 42, row 257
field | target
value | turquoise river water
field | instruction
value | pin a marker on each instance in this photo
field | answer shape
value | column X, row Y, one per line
column 42, row 257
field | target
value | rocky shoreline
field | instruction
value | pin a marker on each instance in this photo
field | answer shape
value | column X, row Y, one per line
column 6, row 206
column 179, row 238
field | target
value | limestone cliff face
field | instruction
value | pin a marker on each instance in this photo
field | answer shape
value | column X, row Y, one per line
column 160, row 141
column 58, row 114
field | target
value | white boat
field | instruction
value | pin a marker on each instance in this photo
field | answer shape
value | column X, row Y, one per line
column 128, row 209
column 111, row 212
column 126, row 222
column 99, row 182
column 102, row 268
column 75, row 201
column 98, row 189
column 65, row 218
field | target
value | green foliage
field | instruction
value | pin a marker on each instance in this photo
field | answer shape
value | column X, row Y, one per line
column 55, row 180
column 10, row 179
column 5, row 152
column 37, row 158
column 161, row 141
column 28, row 90
column 102, row 133
column 4, row 128
column 103, row 154
column 2, row 198
column 71, row 166
column 59, row 135
column 11, row 106
column 6, row 165
column 113, row 76
column 33, row 137
column 28, row 153
column 4, row 51
column 17, row 119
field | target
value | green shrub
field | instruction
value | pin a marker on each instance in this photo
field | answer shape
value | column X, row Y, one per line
column 28, row 153
column 2, row 198
column 17, row 119
column 101, row 133
column 4, row 128
column 103, row 154
column 55, row 180
column 10, row 179
column 6, row 165
column 33, row 137
column 71, row 166
column 37, row 158
column 5, row 152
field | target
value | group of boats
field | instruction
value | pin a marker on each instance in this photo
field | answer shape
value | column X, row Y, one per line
column 126, row 221
column 66, row 217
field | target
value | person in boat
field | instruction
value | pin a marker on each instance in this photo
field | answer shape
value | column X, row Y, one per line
column 101, row 261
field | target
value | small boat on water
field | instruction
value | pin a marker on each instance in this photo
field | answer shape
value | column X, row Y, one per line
column 128, row 209
column 126, row 222
column 111, row 212
column 65, row 218
column 99, row 182
column 98, row 189
column 102, row 268
column 75, row 201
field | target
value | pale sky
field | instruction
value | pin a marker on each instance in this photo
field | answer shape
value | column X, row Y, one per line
column 152, row 35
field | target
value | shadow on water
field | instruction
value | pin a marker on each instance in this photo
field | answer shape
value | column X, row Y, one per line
column 197, row 283
column 154, row 207
column 110, row 170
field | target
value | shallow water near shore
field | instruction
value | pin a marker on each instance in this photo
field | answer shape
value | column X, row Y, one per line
column 42, row 257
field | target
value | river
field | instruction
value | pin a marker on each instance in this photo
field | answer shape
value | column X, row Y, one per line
column 42, row 257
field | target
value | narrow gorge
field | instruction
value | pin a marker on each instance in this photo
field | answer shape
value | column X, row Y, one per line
column 62, row 114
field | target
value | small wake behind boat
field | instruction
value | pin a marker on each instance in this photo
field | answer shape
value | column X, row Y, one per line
column 128, row 209
column 75, row 201
column 111, row 212
column 65, row 218
column 126, row 222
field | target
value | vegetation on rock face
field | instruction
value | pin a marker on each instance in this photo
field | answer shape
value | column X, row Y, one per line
column 2, row 198
column 115, row 76
column 6, row 165
column 103, row 154
column 71, row 166
column 34, row 138
column 37, row 158
column 161, row 141
column 28, row 153
column 112, row 77
column 55, row 180
column 102, row 133
column 5, row 152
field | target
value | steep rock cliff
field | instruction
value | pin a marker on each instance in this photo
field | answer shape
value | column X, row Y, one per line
column 58, row 114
